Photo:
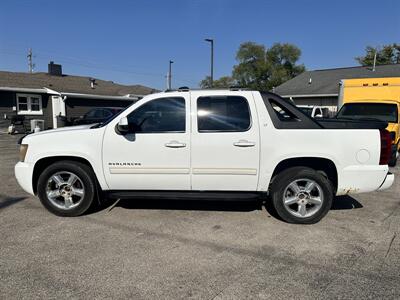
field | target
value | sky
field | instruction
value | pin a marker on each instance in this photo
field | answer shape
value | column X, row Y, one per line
column 131, row 42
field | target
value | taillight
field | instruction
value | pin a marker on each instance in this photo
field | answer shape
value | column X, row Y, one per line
column 386, row 147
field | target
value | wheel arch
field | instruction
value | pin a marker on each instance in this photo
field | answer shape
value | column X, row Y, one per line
column 44, row 162
column 324, row 165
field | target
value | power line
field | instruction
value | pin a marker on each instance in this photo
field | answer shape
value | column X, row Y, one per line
column 93, row 65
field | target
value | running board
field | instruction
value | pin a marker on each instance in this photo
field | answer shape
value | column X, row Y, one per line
column 181, row 195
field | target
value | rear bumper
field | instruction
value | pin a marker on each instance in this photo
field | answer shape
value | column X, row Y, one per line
column 363, row 179
column 387, row 183
column 24, row 173
column 395, row 152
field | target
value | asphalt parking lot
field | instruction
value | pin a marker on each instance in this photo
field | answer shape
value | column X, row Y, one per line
column 146, row 249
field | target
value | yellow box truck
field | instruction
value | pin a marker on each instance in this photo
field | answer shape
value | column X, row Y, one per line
column 373, row 98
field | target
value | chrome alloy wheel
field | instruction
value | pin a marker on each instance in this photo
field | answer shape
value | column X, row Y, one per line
column 65, row 190
column 303, row 198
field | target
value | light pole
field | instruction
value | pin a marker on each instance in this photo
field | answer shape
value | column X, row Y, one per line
column 170, row 75
column 211, row 41
column 375, row 54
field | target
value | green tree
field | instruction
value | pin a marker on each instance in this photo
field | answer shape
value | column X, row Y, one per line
column 387, row 54
column 262, row 69
column 224, row 82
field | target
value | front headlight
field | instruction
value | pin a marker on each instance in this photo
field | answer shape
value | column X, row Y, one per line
column 22, row 152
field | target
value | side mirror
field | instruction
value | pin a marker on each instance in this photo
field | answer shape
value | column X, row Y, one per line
column 123, row 126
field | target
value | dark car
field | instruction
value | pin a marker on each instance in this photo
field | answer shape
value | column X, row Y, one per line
column 97, row 115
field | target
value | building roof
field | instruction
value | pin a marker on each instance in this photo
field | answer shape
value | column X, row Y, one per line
column 70, row 84
column 326, row 82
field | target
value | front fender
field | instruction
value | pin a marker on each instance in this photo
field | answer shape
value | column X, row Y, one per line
column 96, row 167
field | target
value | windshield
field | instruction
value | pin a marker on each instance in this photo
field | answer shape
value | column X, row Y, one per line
column 380, row 111
column 101, row 124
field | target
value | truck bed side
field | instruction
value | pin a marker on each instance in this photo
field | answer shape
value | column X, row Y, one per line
column 354, row 152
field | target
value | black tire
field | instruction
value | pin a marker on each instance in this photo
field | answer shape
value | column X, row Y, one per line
column 87, row 178
column 282, row 181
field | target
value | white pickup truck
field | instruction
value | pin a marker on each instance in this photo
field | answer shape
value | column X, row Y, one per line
column 207, row 144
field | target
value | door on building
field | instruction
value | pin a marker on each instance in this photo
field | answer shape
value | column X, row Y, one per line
column 58, row 107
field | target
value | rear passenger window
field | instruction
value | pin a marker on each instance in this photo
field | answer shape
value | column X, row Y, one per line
column 223, row 114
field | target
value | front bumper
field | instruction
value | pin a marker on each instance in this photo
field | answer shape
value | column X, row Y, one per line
column 24, row 173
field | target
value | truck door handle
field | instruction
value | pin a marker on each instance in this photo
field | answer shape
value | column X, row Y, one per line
column 244, row 143
column 175, row 144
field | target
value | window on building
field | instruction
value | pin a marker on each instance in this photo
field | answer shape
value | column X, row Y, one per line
column 223, row 114
column 29, row 104
column 159, row 116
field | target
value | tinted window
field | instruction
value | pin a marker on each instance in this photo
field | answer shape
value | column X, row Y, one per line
column 99, row 113
column 222, row 113
column 380, row 111
column 285, row 115
column 306, row 110
column 160, row 115
column 282, row 112
column 91, row 114
column 107, row 114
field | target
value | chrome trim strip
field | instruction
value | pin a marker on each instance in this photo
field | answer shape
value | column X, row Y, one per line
column 130, row 170
column 224, row 171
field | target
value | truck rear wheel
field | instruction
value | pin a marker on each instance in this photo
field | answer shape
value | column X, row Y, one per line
column 67, row 188
column 301, row 195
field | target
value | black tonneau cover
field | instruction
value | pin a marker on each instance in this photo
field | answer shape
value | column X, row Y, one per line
column 303, row 121
column 351, row 124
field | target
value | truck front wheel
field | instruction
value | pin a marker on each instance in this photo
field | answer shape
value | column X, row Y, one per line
column 67, row 188
column 301, row 195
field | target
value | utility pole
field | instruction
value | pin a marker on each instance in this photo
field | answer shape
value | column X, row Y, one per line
column 211, row 41
column 30, row 60
column 170, row 75
column 373, row 67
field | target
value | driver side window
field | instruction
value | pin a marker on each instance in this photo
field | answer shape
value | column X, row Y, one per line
column 159, row 116
column 91, row 114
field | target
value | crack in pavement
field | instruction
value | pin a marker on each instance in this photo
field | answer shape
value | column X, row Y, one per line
column 391, row 213
column 390, row 245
